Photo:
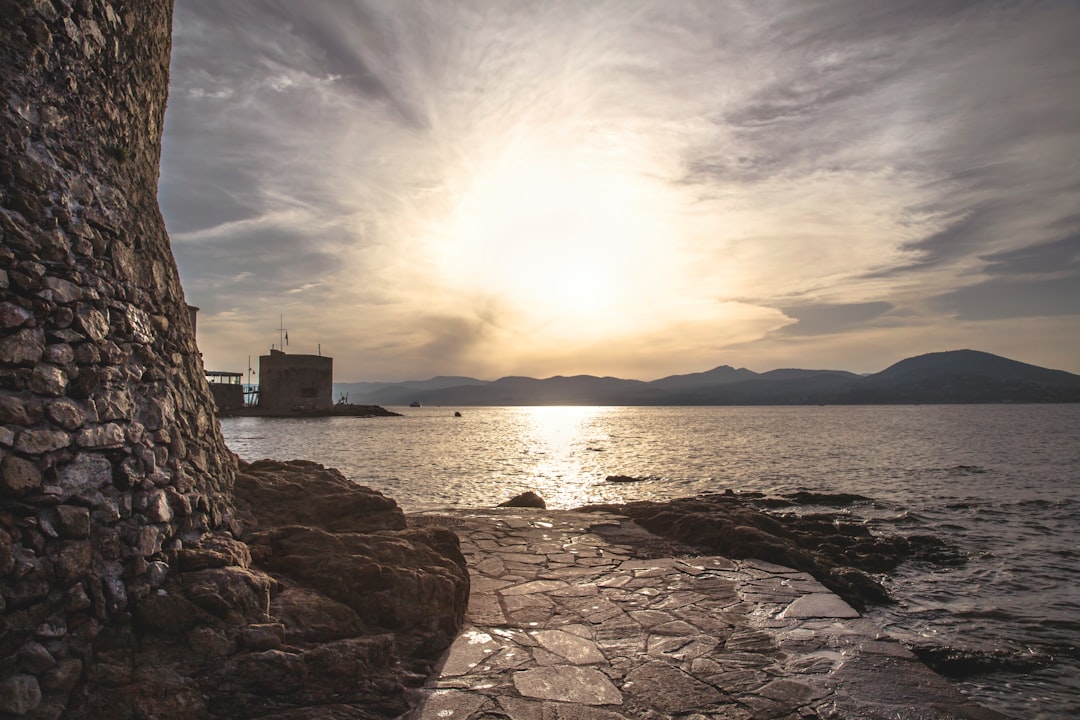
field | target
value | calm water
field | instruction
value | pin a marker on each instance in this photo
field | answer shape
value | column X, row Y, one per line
column 999, row 481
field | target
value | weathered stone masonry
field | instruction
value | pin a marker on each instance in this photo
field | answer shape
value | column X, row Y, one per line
column 109, row 453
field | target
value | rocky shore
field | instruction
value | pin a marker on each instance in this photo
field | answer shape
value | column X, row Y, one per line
column 580, row 616
column 840, row 553
column 325, row 601
column 320, row 604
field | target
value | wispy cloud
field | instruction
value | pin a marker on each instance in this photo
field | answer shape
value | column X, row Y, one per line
column 638, row 186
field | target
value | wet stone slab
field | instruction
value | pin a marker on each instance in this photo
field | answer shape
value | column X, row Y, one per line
column 819, row 605
column 572, row 617
column 579, row 685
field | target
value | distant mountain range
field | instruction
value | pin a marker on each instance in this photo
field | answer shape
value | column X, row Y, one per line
column 957, row 376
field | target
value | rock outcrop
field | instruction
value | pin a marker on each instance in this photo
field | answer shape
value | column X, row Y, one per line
column 526, row 499
column 843, row 555
column 310, row 527
column 118, row 533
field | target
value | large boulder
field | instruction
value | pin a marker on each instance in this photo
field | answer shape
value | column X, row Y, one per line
column 298, row 492
column 413, row 582
column 527, row 499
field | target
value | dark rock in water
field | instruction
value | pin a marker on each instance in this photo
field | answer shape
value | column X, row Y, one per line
column 831, row 499
column 527, row 499
column 841, row 554
column 628, row 478
column 960, row 663
column 803, row 497
column 365, row 411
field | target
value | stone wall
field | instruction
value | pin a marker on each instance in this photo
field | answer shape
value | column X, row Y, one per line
column 110, row 456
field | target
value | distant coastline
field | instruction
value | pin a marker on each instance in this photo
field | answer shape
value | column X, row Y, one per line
column 952, row 377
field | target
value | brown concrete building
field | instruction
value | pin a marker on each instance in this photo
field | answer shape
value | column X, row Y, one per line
column 295, row 383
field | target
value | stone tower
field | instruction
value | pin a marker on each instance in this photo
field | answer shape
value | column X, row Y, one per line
column 295, row 383
column 109, row 451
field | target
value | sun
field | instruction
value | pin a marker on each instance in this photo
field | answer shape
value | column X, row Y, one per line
column 547, row 240
column 555, row 236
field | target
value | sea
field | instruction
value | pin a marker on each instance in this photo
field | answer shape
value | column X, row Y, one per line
column 1000, row 482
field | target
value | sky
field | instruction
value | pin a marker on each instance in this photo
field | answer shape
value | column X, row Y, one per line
column 635, row 188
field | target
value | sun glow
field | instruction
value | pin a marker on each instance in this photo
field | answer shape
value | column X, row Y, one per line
column 557, row 235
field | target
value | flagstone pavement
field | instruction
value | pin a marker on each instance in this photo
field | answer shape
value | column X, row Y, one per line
column 573, row 616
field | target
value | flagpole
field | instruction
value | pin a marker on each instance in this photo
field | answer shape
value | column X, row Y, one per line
column 283, row 333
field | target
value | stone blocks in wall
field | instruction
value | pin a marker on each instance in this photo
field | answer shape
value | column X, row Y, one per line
column 110, row 459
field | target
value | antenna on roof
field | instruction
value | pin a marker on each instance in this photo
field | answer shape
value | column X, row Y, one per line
column 283, row 333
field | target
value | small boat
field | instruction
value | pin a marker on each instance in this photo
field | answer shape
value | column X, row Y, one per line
column 415, row 403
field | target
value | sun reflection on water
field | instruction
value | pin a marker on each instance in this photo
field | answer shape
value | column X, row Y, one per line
column 556, row 436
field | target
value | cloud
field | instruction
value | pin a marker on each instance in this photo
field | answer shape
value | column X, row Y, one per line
column 998, row 299
column 829, row 319
column 252, row 258
column 425, row 187
column 1047, row 258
